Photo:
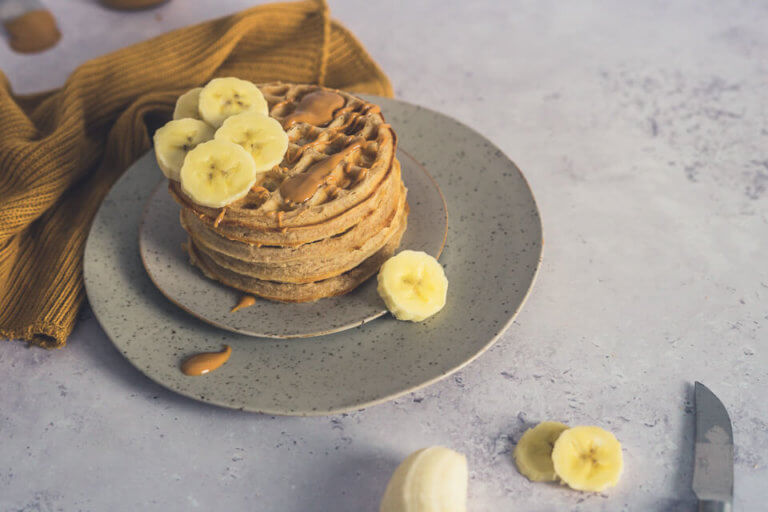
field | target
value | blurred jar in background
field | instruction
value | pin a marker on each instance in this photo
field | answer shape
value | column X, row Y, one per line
column 130, row 5
column 29, row 26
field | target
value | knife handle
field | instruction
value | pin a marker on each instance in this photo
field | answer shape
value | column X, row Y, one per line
column 714, row 506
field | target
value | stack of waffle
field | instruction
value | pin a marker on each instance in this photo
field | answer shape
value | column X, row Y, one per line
column 323, row 220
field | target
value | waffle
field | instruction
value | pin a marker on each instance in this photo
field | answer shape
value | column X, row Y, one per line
column 308, row 292
column 310, row 262
column 300, row 235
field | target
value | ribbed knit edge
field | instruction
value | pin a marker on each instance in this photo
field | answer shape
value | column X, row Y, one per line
column 377, row 82
column 43, row 334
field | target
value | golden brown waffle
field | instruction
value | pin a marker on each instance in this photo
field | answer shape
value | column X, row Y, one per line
column 299, row 235
column 265, row 208
column 297, row 239
column 288, row 292
column 323, row 260
column 355, row 236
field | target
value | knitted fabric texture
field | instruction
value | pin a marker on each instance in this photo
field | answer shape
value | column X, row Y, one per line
column 60, row 151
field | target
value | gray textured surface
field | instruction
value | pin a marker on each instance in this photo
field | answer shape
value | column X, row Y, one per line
column 643, row 130
column 160, row 244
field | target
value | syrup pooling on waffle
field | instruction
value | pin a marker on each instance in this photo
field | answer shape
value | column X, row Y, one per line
column 300, row 187
column 316, row 108
column 333, row 152
column 355, row 177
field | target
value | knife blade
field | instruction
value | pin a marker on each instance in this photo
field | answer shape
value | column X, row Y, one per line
column 713, row 453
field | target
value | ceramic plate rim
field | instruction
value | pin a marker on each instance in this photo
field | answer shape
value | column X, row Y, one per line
column 389, row 396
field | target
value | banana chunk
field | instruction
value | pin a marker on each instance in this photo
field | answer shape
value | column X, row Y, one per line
column 225, row 97
column 413, row 285
column 429, row 480
column 175, row 140
column 533, row 453
column 588, row 458
column 186, row 105
column 262, row 136
column 217, row 173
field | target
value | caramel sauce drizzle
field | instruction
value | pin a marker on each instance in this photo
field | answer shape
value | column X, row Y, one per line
column 246, row 301
column 321, row 107
column 301, row 187
column 219, row 218
column 206, row 362
column 316, row 108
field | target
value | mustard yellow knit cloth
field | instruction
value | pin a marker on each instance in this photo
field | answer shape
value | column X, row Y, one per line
column 60, row 151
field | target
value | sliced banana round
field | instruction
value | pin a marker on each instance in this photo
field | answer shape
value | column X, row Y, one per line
column 225, row 97
column 413, row 285
column 217, row 173
column 262, row 136
column 175, row 140
column 533, row 453
column 186, row 105
column 429, row 480
column 588, row 458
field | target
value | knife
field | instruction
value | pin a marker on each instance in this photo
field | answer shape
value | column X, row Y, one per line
column 712, row 453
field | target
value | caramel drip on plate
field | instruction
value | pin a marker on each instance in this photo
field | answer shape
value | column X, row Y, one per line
column 316, row 108
column 246, row 301
column 301, row 187
column 206, row 362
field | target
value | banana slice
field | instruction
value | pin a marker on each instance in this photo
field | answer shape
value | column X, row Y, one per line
column 413, row 285
column 224, row 97
column 262, row 136
column 429, row 480
column 217, row 173
column 533, row 453
column 174, row 140
column 588, row 458
column 186, row 105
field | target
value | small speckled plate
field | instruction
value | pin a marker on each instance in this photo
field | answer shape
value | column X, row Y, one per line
column 161, row 236
column 491, row 258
